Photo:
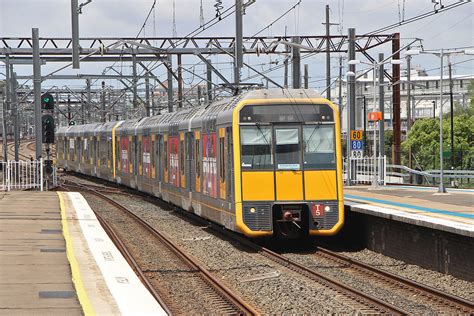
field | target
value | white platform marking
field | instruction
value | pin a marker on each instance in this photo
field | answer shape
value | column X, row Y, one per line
column 130, row 295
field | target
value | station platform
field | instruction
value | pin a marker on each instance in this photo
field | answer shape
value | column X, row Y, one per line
column 422, row 206
column 56, row 259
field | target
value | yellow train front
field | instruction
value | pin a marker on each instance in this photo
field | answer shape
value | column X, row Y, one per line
column 288, row 165
column 265, row 163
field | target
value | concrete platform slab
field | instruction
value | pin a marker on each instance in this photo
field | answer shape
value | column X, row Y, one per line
column 452, row 212
column 52, row 262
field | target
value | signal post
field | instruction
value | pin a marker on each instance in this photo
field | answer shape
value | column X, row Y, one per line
column 47, row 134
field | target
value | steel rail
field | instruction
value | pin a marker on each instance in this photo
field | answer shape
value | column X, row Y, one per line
column 440, row 300
column 216, row 284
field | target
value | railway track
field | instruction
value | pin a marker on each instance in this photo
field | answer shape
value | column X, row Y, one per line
column 442, row 302
column 221, row 299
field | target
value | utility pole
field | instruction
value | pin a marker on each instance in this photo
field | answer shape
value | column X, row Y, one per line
column 381, row 107
column 4, row 127
column 451, row 100
column 14, row 108
column 396, row 100
column 102, row 111
column 238, row 41
column 296, row 67
column 285, row 79
column 180, row 83
column 88, row 97
column 75, row 33
column 350, row 104
column 170, row 85
column 37, row 91
column 134, row 81
column 147, row 95
column 328, row 54
column 441, row 188
column 6, row 106
column 408, row 92
column 306, row 76
column 209, row 81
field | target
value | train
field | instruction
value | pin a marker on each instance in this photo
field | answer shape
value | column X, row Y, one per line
column 265, row 163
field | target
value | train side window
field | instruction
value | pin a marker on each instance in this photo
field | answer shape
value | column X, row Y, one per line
column 197, row 159
column 222, row 158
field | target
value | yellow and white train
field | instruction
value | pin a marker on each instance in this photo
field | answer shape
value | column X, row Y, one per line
column 267, row 162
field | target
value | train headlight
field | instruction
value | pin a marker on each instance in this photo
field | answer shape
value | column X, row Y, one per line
column 252, row 210
column 327, row 208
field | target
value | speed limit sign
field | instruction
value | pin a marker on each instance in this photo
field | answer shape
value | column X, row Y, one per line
column 356, row 134
column 356, row 153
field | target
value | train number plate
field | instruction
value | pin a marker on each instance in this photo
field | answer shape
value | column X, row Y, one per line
column 317, row 210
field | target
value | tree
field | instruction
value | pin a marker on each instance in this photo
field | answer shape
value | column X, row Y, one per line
column 424, row 140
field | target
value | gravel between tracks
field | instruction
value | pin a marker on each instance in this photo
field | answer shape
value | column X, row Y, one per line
column 442, row 282
column 287, row 292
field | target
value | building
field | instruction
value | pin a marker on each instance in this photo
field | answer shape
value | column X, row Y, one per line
column 425, row 95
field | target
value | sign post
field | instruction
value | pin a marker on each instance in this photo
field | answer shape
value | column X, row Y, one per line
column 375, row 117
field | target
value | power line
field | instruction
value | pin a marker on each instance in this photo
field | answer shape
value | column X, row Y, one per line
column 147, row 17
column 279, row 18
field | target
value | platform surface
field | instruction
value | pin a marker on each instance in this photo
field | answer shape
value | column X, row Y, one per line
column 35, row 276
column 423, row 206
column 55, row 259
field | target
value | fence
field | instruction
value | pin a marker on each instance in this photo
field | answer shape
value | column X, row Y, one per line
column 364, row 170
column 21, row 175
column 454, row 178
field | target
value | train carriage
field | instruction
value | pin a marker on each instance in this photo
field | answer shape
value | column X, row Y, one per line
column 263, row 163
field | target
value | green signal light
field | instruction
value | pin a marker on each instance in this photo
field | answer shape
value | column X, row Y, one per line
column 46, row 99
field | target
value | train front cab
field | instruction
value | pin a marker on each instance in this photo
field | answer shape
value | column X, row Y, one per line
column 288, row 168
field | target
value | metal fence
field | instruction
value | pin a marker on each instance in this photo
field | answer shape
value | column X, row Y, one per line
column 454, row 178
column 21, row 175
column 366, row 170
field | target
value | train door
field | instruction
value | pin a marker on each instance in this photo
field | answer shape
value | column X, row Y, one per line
column 79, row 153
column 197, row 160
column 222, row 163
column 164, row 160
column 230, row 164
column 189, row 161
column 182, row 160
column 287, row 151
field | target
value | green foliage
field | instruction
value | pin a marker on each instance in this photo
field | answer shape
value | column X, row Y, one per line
column 424, row 141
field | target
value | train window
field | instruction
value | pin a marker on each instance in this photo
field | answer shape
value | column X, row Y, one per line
column 197, row 159
column 287, row 148
column 256, row 142
column 222, row 158
column 319, row 149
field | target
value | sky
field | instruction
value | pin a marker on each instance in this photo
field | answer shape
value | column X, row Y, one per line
column 122, row 18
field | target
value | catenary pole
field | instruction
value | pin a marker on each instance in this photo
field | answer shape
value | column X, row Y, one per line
column 441, row 188
column 75, row 34
column 238, row 41
column 37, row 91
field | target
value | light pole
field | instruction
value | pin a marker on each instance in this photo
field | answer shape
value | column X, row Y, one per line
column 375, row 65
column 441, row 53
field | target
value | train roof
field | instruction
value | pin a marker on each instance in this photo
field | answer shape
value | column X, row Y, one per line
column 220, row 110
